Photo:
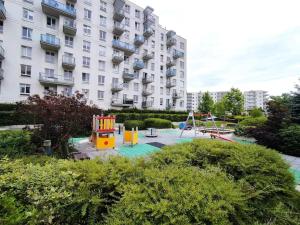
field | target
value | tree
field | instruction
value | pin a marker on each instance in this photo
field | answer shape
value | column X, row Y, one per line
column 234, row 101
column 219, row 109
column 206, row 103
column 61, row 117
column 256, row 112
column 295, row 105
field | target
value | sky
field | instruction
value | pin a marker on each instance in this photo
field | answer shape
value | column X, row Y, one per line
column 246, row 44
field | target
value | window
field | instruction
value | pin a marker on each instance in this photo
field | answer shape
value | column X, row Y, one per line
column 1, row 26
column 87, row 30
column 137, row 26
column 101, row 65
column 127, row 21
column 162, row 36
column 86, row 61
column 51, row 22
column 25, row 89
column 182, row 45
column 162, row 69
column 152, row 66
column 135, row 98
column 161, row 80
column 181, row 74
column 27, row 14
column 25, row 70
column 85, row 78
column 86, row 93
column 103, row 6
column 153, row 44
column 49, row 72
column 87, row 14
column 127, row 8
column 136, row 86
column 50, row 57
column 137, row 14
column 161, row 90
column 161, row 101
column 181, row 65
column 103, row 21
column 102, row 35
column 68, row 74
column 101, row 80
column 161, row 58
column 126, row 59
column 26, row 33
column 102, row 50
column 26, row 51
column 126, row 34
column 115, row 68
column 162, row 47
column 69, row 41
column 86, row 46
column 100, row 95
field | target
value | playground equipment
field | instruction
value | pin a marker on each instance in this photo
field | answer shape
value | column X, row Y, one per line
column 103, row 135
column 214, row 132
column 130, row 137
column 151, row 133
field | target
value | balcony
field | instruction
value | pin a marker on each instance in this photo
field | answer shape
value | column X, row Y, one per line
column 2, row 53
column 148, row 31
column 2, row 11
column 56, row 8
column 139, row 40
column 171, row 72
column 1, row 74
column 119, row 13
column 138, row 65
column 147, row 56
column 69, row 27
column 170, row 84
column 170, row 106
column 115, row 87
column 178, row 54
column 56, row 79
column 147, row 104
column 126, row 103
column 147, row 80
column 49, row 42
column 171, row 33
column 171, row 41
column 176, row 95
column 128, row 76
column 123, row 46
column 68, row 62
column 171, row 63
column 147, row 92
column 119, row 28
column 117, row 57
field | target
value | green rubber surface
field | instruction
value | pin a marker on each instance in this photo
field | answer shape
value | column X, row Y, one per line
column 296, row 174
column 184, row 140
column 138, row 150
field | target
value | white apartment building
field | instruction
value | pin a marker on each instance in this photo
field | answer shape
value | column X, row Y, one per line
column 255, row 99
column 113, row 51
column 217, row 96
column 192, row 102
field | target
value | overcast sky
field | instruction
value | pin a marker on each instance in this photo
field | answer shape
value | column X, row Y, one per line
column 248, row 44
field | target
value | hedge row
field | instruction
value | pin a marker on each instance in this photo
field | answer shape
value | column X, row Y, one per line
column 203, row 182
column 148, row 123
column 122, row 117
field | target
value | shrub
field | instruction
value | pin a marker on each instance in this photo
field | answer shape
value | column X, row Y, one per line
column 157, row 123
column 290, row 139
column 254, row 121
column 15, row 143
column 256, row 112
column 129, row 124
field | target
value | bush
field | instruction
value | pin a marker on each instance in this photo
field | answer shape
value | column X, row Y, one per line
column 254, row 121
column 157, row 123
column 129, row 124
column 122, row 117
column 290, row 138
column 15, row 143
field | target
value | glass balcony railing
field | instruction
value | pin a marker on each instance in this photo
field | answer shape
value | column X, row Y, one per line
column 50, row 42
column 123, row 46
column 178, row 54
column 2, row 53
column 69, row 27
column 138, row 65
column 128, row 76
column 68, row 61
column 2, row 11
column 59, row 8
column 147, row 104
column 139, row 40
column 56, row 79
column 171, row 72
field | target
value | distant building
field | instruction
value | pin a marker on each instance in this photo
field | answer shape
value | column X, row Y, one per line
column 193, row 101
column 255, row 99
column 218, row 96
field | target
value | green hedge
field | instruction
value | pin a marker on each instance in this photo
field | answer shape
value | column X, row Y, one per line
column 122, row 117
column 290, row 140
column 157, row 123
column 129, row 124
column 254, row 121
column 203, row 182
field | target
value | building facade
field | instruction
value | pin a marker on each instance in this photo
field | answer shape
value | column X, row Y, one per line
column 255, row 99
column 192, row 102
column 113, row 51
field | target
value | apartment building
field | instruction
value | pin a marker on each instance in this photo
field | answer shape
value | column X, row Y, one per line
column 114, row 52
column 192, row 102
column 218, row 96
column 255, row 99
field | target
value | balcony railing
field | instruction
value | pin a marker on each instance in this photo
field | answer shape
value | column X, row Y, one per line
column 119, row 15
column 117, row 57
column 139, row 40
column 171, row 63
column 69, row 27
column 49, row 42
column 128, row 76
column 176, row 95
column 171, row 41
column 119, row 28
column 171, row 72
column 1, row 74
column 147, row 56
column 68, row 62
column 178, row 54
column 147, row 92
column 138, row 65
column 170, row 106
column 2, row 11
column 170, row 84
column 115, row 87
column 147, row 80
column 123, row 46
column 56, row 79
column 148, row 31
column 2, row 53
column 147, row 104
column 56, row 8
column 122, row 102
